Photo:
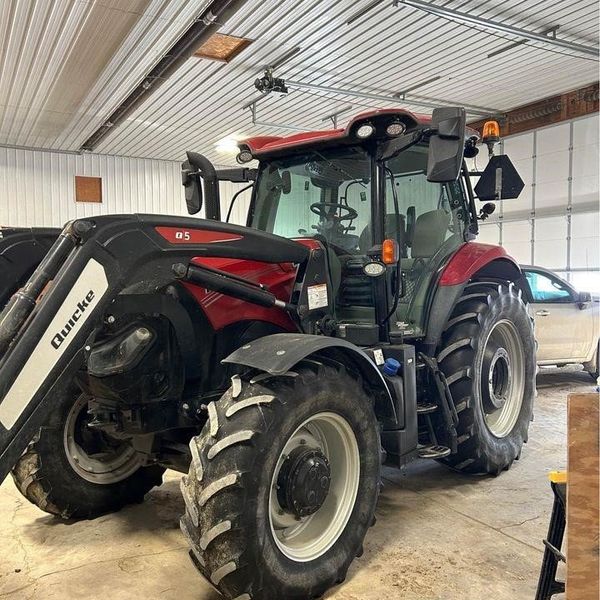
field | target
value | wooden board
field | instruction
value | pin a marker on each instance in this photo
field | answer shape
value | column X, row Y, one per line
column 88, row 189
column 583, row 491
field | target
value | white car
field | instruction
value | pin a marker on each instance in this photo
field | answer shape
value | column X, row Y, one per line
column 567, row 322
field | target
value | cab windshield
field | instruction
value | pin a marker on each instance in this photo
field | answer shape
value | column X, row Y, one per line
column 328, row 194
column 325, row 193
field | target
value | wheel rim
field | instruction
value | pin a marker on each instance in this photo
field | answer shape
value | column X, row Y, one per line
column 303, row 539
column 502, row 378
column 94, row 456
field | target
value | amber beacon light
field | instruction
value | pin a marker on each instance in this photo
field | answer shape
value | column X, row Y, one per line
column 491, row 135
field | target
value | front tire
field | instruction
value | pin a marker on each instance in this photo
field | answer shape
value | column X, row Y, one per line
column 487, row 354
column 73, row 472
column 283, row 484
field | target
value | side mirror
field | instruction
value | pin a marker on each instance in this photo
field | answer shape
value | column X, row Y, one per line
column 446, row 144
column 192, row 184
column 499, row 180
column 584, row 299
column 200, row 181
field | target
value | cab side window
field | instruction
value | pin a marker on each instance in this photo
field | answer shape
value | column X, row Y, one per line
column 547, row 289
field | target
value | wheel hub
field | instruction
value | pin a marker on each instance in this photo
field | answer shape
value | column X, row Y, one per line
column 94, row 457
column 304, row 481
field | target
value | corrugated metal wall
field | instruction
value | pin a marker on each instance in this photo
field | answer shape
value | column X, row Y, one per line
column 38, row 188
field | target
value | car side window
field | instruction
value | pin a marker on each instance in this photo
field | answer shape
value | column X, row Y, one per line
column 547, row 289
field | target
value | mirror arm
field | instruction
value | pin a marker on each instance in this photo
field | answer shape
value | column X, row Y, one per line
column 417, row 137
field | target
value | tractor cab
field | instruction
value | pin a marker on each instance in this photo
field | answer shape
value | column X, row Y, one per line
column 388, row 198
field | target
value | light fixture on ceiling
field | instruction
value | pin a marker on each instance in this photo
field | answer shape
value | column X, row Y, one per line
column 222, row 47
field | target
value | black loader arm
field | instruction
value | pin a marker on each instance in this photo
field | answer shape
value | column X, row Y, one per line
column 21, row 251
column 44, row 338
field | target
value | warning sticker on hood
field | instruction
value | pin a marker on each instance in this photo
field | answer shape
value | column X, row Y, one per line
column 317, row 296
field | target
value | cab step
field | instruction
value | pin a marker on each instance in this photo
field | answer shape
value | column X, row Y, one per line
column 433, row 451
column 425, row 408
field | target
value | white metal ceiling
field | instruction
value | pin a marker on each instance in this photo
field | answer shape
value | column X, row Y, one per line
column 386, row 50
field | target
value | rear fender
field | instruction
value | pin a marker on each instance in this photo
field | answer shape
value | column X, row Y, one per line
column 471, row 261
column 279, row 353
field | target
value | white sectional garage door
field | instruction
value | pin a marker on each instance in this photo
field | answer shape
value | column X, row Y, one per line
column 555, row 222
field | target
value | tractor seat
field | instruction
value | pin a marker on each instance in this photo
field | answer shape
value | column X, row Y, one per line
column 430, row 232
column 394, row 228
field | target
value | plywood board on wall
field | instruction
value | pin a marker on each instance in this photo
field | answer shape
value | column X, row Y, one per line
column 88, row 189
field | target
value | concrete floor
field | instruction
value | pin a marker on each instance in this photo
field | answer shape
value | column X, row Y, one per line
column 439, row 535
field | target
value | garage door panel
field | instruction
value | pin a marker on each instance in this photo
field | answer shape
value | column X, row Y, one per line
column 489, row 234
column 519, row 146
column 553, row 139
column 550, row 245
column 516, row 238
column 585, row 132
column 585, row 246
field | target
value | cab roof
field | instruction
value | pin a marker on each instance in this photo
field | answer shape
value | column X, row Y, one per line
column 262, row 145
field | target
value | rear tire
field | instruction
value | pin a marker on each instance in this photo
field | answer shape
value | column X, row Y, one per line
column 82, row 485
column 487, row 354
column 242, row 539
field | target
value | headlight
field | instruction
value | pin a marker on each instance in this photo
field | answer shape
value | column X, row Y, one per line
column 365, row 130
column 395, row 128
column 374, row 269
column 244, row 156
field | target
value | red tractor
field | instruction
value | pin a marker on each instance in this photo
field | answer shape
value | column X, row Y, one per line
column 353, row 322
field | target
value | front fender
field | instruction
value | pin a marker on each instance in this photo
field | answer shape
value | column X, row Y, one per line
column 278, row 353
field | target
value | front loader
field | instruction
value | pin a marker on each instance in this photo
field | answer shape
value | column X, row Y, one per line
column 354, row 321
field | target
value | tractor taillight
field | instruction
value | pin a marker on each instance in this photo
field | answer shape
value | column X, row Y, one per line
column 389, row 252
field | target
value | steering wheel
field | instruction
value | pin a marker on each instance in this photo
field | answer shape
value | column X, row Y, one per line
column 320, row 208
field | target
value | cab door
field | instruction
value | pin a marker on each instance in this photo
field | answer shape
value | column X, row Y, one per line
column 561, row 326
